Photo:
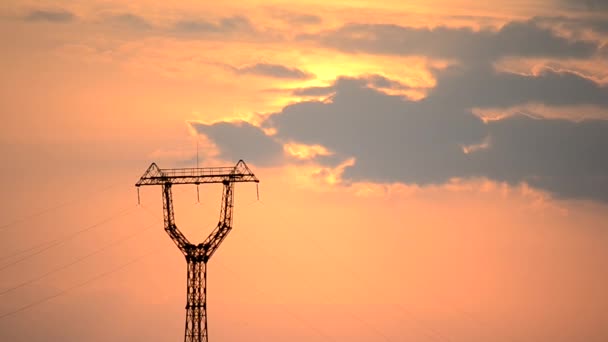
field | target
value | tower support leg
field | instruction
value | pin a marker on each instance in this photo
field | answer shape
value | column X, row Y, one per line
column 196, row 306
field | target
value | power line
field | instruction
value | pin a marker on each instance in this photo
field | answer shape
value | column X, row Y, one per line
column 67, row 238
column 48, row 209
column 64, row 291
column 60, row 268
column 28, row 249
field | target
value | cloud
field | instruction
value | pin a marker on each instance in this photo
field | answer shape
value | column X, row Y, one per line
column 565, row 157
column 303, row 19
column 225, row 25
column 597, row 24
column 520, row 38
column 295, row 18
column 439, row 138
column 379, row 81
column 241, row 140
column 429, row 141
column 129, row 20
column 482, row 86
column 586, row 5
column 391, row 139
column 374, row 81
column 56, row 16
column 274, row 70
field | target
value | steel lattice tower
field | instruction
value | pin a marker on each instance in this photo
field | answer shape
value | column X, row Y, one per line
column 197, row 256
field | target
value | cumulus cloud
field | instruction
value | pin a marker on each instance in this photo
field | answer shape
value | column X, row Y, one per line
column 224, row 25
column 56, row 16
column 426, row 142
column 586, row 5
column 482, row 86
column 373, row 81
column 295, row 18
column 439, row 138
column 129, row 20
column 391, row 139
column 565, row 157
column 242, row 140
column 274, row 70
column 522, row 38
column 598, row 24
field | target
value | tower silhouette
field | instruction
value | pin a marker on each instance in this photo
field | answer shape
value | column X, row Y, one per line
column 198, row 255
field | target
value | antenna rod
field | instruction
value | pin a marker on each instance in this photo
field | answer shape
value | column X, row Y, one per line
column 198, row 198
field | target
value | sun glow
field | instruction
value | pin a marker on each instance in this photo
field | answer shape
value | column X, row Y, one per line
column 305, row 152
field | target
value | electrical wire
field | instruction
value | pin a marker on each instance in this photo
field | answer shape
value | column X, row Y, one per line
column 284, row 308
column 74, row 262
column 56, row 206
column 68, row 238
column 71, row 288
column 28, row 249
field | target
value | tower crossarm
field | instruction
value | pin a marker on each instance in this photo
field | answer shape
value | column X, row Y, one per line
column 197, row 175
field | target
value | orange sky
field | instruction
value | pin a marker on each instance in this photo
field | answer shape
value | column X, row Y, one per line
column 91, row 94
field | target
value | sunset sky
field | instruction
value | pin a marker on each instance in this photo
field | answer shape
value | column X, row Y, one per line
column 430, row 170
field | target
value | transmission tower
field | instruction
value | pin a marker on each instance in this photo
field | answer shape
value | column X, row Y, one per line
column 197, row 256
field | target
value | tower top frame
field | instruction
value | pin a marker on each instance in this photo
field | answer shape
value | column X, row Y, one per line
column 197, row 175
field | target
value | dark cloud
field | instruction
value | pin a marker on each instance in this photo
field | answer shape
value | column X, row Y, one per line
column 130, row 21
column 225, row 25
column 524, row 39
column 242, row 140
column 295, row 18
column 424, row 142
column 597, row 25
column 57, row 16
column 482, row 86
column 586, row 5
column 439, row 138
column 575, row 24
column 379, row 81
column 274, row 70
column 307, row 19
column 383, row 133
column 565, row 157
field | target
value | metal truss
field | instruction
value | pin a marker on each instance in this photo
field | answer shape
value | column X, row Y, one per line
column 198, row 255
